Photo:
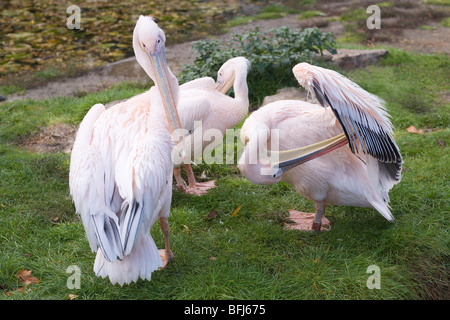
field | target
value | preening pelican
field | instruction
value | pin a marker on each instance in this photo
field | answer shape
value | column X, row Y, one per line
column 205, row 104
column 121, row 168
column 360, row 175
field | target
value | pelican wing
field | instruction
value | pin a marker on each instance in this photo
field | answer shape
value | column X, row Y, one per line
column 193, row 107
column 362, row 115
column 143, row 182
column 87, row 185
column 203, row 83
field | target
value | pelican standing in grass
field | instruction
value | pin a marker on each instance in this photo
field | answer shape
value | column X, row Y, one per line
column 205, row 103
column 359, row 174
column 121, row 168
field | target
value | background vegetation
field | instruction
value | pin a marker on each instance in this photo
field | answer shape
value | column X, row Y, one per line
column 35, row 37
column 271, row 54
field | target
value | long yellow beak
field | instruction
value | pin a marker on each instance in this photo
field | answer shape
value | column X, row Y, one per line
column 220, row 87
column 224, row 86
column 289, row 159
column 159, row 65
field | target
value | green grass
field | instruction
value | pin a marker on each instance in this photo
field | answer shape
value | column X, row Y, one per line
column 277, row 8
column 240, row 20
column 351, row 37
column 426, row 27
column 445, row 22
column 385, row 4
column 5, row 90
column 353, row 33
column 354, row 21
column 310, row 14
column 271, row 11
column 306, row 2
column 47, row 74
column 437, row 2
column 249, row 255
column 354, row 15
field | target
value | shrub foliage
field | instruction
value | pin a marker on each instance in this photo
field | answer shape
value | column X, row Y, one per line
column 272, row 54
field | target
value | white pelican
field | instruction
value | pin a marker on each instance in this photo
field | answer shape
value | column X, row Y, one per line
column 121, row 168
column 360, row 175
column 203, row 101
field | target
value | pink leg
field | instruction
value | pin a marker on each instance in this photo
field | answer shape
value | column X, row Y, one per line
column 194, row 187
column 309, row 221
column 166, row 253
column 181, row 184
column 320, row 211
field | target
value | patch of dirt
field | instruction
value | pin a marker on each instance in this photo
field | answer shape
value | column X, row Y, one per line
column 56, row 138
column 426, row 41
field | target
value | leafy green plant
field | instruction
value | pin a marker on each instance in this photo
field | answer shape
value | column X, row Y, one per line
column 272, row 55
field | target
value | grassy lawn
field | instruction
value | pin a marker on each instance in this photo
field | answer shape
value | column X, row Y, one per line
column 249, row 255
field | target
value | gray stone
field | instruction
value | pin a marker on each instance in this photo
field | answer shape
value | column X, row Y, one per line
column 354, row 58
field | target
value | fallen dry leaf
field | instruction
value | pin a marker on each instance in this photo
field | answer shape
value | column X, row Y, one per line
column 72, row 296
column 25, row 277
column 412, row 129
column 236, row 211
column 24, row 289
column 212, row 258
column 20, row 289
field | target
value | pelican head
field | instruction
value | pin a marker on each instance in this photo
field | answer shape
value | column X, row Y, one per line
column 149, row 48
column 255, row 162
column 227, row 73
column 260, row 172
column 148, row 42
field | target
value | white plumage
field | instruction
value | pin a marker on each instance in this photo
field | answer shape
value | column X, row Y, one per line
column 361, row 178
column 121, row 169
column 202, row 104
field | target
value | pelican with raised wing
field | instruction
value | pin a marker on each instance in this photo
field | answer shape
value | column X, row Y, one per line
column 311, row 139
column 121, row 168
